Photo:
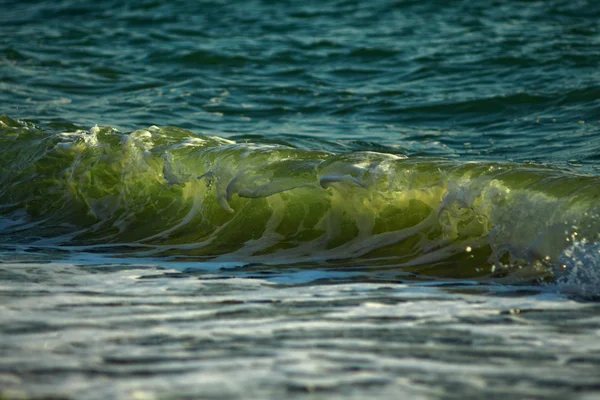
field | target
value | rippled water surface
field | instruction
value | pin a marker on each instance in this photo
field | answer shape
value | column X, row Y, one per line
column 333, row 199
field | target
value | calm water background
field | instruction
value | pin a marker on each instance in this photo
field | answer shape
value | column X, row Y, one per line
column 510, row 81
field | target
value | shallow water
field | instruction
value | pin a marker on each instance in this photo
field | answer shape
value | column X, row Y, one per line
column 106, row 331
column 319, row 199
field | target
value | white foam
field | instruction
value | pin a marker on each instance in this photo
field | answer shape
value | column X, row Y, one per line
column 578, row 269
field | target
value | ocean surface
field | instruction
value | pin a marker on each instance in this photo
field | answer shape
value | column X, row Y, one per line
column 319, row 199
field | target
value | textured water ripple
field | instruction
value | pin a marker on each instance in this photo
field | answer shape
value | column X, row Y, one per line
column 156, row 333
column 524, row 71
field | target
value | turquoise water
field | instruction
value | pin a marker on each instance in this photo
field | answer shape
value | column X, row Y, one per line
column 206, row 199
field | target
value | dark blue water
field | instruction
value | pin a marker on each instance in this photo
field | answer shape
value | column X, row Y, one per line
column 504, row 80
column 447, row 154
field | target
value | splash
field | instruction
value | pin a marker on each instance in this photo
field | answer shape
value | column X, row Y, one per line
column 578, row 269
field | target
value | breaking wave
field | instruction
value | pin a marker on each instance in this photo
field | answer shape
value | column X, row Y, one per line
column 167, row 192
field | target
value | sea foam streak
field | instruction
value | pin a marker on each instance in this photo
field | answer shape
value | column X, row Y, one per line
column 171, row 193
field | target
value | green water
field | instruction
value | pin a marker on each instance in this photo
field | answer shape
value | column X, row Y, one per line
column 172, row 193
column 333, row 199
